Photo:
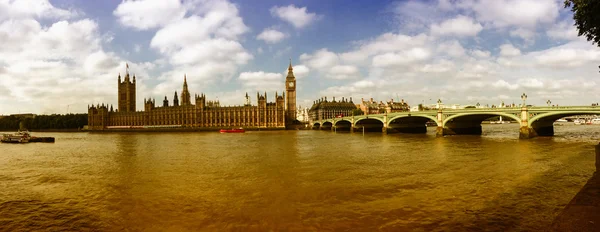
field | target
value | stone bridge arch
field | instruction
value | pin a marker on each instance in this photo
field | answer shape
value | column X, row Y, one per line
column 343, row 125
column 372, row 124
column 470, row 123
column 409, row 123
column 542, row 124
column 316, row 125
column 327, row 125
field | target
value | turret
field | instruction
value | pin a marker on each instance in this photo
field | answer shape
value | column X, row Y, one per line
column 165, row 102
column 185, row 94
column 175, row 100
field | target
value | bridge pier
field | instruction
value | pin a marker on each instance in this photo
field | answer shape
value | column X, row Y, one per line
column 462, row 128
column 439, row 131
column 408, row 129
column 525, row 132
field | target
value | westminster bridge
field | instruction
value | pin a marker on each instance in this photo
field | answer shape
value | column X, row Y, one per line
column 534, row 121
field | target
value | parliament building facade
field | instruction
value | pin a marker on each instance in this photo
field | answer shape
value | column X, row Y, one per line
column 199, row 113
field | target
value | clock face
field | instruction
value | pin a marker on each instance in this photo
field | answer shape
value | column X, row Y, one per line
column 291, row 84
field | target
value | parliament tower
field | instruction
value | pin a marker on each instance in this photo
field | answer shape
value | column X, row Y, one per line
column 290, row 90
column 126, row 95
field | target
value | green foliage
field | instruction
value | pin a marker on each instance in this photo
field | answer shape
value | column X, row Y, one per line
column 497, row 118
column 586, row 14
column 44, row 122
column 357, row 112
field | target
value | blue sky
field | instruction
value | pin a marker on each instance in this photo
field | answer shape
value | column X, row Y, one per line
column 59, row 56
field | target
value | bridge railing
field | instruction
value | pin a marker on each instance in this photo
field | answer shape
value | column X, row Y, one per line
column 481, row 109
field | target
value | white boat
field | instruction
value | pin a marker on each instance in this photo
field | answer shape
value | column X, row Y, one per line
column 595, row 121
column 19, row 137
column 561, row 120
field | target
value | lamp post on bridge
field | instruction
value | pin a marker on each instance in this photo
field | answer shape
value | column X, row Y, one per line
column 524, row 97
column 548, row 102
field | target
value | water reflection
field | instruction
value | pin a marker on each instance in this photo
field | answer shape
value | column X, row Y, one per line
column 300, row 180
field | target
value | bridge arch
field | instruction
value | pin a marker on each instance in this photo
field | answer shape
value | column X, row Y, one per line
column 316, row 125
column 543, row 124
column 372, row 118
column 414, row 124
column 343, row 125
column 553, row 116
column 470, row 123
column 427, row 117
column 343, row 121
column 372, row 124
column 480, row 116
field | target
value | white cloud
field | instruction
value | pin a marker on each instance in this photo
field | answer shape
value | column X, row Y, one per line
column 566, row 56
column 402, row 58
column 25, row 9
column 563, row 31
column 388, row 42
column 452, row 48
column 262, row 81
column 48, row 68
column 520, row 13
column 360, row 88
column 531, row 83
column 203, row 41
column 148, row 14
column 341, row 72
column 509, row 50
column 439, row 67
column 526, row 34
column 321, row 59
column 271, row 36
column 297, row 16
column 300, row 71
column 459, row 26
column 480, row 53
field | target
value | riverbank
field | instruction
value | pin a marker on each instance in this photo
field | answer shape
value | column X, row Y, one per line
column 583, row 211
column 181, row 129
column 582, row 214
column 45, row 130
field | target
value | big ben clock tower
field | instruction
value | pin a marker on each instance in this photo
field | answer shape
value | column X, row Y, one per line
column 290, row 90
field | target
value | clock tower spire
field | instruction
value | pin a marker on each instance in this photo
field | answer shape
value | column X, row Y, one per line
column 290, row 94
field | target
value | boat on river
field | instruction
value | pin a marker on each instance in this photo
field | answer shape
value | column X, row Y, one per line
column 238, row 130
column 24, row 137
column 19, row 137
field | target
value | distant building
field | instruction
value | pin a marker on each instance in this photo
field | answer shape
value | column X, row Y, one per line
column 24, row 115
column 373, row 107
column 200, row 113
column 324, row 109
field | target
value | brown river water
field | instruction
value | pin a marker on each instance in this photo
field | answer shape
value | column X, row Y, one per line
column 293, row 181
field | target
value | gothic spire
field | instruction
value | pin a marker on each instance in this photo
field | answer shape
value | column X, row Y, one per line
column 290, row 71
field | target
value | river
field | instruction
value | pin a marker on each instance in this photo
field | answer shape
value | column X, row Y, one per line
column 294, row 181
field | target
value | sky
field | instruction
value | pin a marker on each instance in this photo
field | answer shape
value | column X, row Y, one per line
column 59, row 56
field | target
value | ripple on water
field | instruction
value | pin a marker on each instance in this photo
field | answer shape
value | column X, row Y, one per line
column 294, row 181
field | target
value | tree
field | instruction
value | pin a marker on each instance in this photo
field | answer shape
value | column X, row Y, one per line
column 586, row 14
column 357, row 112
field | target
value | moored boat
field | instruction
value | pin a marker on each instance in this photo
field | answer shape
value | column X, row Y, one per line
column 24, row 137
column 19, row 137
column 238, row 130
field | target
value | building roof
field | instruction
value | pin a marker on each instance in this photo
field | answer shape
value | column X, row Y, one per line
column 333, row 105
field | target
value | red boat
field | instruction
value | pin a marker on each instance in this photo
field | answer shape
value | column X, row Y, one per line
column 240, row 130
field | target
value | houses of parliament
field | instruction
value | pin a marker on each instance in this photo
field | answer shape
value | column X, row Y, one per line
column 182, row 112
